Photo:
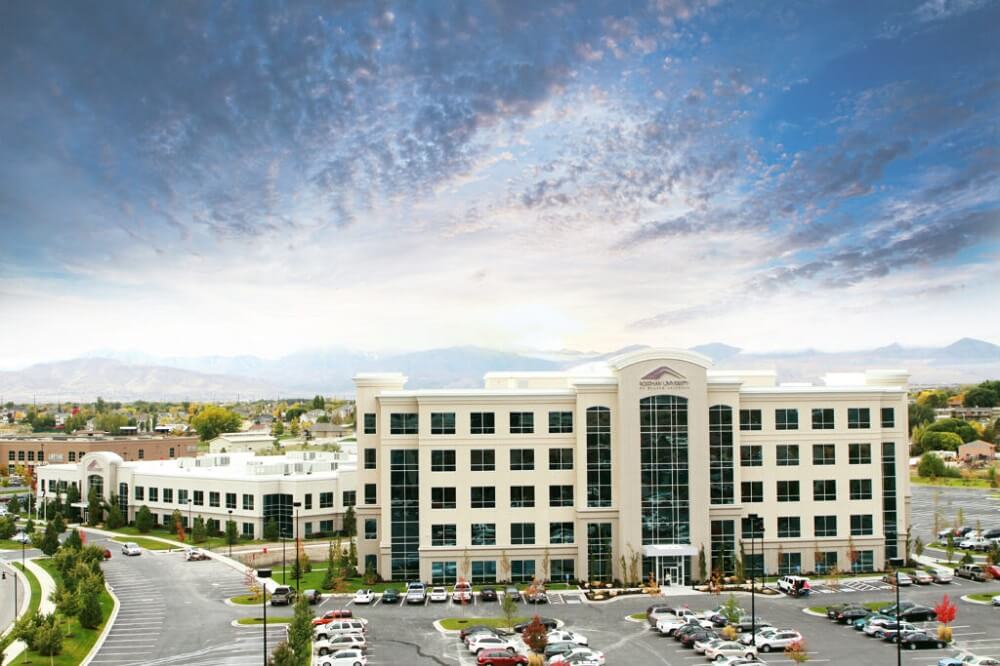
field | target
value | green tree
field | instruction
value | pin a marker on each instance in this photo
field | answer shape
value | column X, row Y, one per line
column 277, row 428
column 283, row 656
column 702, row 565
column 115, row 517
column 198, row 532
column 89, row 591
column 213, row 420
column 933, row 398
column 48, row 638
column 73, row 541
column 95, row 511
column 508, row 607
column 110, row 423
column 232, row 536
column 43, row 422
column 271, row 530
column 300, row 630
column 319, row 402
column 961, row 428
column 293, row 428
column 49, row 542
column 8, row 525
column 143, row 519
column 328, row 576
column 933, row 440
column 73, row 498
column 731, row 610
column 59, row 522
column 980, row 397
column 350, row 522
column 930, row 466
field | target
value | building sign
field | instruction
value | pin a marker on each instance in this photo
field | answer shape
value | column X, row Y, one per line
column 93, row 466
column 663, row 378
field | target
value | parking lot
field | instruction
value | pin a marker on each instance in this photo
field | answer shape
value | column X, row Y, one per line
column 978, row 506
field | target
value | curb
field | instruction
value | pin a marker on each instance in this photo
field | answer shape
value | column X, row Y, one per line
column 108, row 626
column 454, row 632
column 236, row 623
column 977, row 601
column 814, row 613
column 638, row 621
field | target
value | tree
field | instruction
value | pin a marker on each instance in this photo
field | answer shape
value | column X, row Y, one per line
column 59, row 522
column 797, row 652
column 508, row 607
column 95, row 511
column 318, row 402
column 504, row 565
column 961, row 428
column 48, row 639
column 49, row 543
column 231, row 535
column 73, row 498
column 110, row 423
column 328, row 575
column 946, row 613
column 980, row 396
column 143, row 519
column 73, row 541
column 918, row 546
column 350, row 522
column 89, row 591
column 930, row 466
column 702, row 565
column 293, row 428
column 731, row 610
column 283, row 656
column 300, row 631
column 535, row 635
column 933, row 398
column 115, row 517
column 213, row 420
column 933, row 440
column 277, row 428
column 198, row 532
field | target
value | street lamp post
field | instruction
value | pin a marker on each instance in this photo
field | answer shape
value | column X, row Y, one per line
column 754, row 522
column 896, row 563
column 298, row 570
column 261, row 575
column 190, row 524
column 228, row 539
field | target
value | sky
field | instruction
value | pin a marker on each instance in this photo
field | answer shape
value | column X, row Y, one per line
column 196, row 178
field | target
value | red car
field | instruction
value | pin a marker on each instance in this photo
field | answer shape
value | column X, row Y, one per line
column 500, row 658
column 993, row 571
column 330, row 616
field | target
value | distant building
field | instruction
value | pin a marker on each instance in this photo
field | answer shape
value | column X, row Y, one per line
column 980, row 414
column 977, row 451
column 238, row 442
column 32, row 451
column 330, row 430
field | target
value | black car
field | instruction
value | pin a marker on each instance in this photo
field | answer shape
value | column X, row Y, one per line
column 918, row 640
column 512, row 592
column 488, row 594
column 547, row 622
column 831, row 611
column 851, row 614
column 563, row 647
column 918, row 614
column 391, row 596
column 536, row 597
column 689, row 639
column 688, row 628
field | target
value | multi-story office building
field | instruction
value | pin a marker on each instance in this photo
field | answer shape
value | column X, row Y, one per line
column 243, row 487
column 651, row 456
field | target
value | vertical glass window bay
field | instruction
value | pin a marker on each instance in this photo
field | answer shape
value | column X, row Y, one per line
column 720, row 448
column 599, row 551
column 750, row 419
column 482, row 423
column 859, row 418
column 598, row 457
column 786, row 419
column 522, row 423
column 404, row 530
column 664, row 491
column 822, row 419
column 403, row 424
column 442, row 423
column 370, row 423
column 723, row 546
column 560, row 422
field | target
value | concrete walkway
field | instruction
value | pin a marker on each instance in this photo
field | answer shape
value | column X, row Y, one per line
column 48, row 586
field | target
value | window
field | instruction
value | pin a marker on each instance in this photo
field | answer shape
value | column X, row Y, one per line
column 790, row 563
column 370, row 458
column 598, row 457
column 560, row 458
column 443, row 498
column 723, row 545
column 11, row 456
column 444, row 535
column 483, row 460
column 825, row 526
column 326, row 500
column 484, row 497
column 751, row 456
column 560, row 495
column 309, row 529
column 370, row 494
column 859, row 454
column 788, row 491
column 371, row 528
column 443, row 573
column 752, row 491
column 20, row 455
column 720, row 445
column 443, row 460
column 865, row 561
column 403, row 424
column 560, row 422
column 142, row 454
column 522, row 534
column 182, row 496
column 789, row 527
column 859, row 418
column 484, row 572
column 199, row 498
column 599, row 550
column 861, row 525
column 824, row 454
column 168, row 495
column 750, row 419
column 522, row 497
column 861, row 489
column 154, row 495
column 482, row 423
column 561, row 533
column 889, row 508
column 522, row 423
column 247, row 502
column 442, row 423
column 369, row 423
column 522, row 571
column 247, row 530
column 484, row 534
column 404, row 525
column 522, row 459
column 787, row 455
column 139, row 492
column 747, row 528
column 230, row 500
column 826, row 561
column 31, row 456
column 563, row 570
column 786, row 419
column 888, row 417
column 349, row 498
column 308, row 501
column 326, row 526
column 825, row 490
column 170, row 454
column 72, row 455
column 822, row 419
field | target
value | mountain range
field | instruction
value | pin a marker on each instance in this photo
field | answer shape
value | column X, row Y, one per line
column 132, row 376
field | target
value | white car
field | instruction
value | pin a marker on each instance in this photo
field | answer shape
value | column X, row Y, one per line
column 131, row 548
column 941, row 575
column 21, row 537
column 438, row 594
column 340, row 642
column 462, row 592
column 564, row 636
column 490, row 642
column 996, row 600
column 364, row 596
column 878, row 625
column 921, row 577
column 777, row 640
column 345, row 658
column 903, row 578
column 701, row 646
column 730, row 649
column 793, row 585
column 976, row 543
column 579, row 657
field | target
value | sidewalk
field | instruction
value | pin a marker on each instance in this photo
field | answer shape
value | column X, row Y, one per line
column 48, row 586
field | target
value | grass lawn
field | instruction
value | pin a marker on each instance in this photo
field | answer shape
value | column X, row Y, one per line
column 638, row 616
column 36, row 588
column 211, row 543
column 260, row 620
column 457, row 623
column 148, row 544
column 79, row 641
column 983, row 596
column 314, row 581
column 10, row 544
column 871, row 605
column 247, row 600
column 949, row 482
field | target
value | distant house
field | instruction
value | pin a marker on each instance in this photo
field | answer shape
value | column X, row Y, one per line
column 330, row 430
column 233, row 442
column 264, row 419
column 977, row 451
column 982, row 414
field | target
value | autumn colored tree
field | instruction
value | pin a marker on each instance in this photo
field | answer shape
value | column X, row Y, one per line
column 946, row 612
column 797, row 652
column 536, row 635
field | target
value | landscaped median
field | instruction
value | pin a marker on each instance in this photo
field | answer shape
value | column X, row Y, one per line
column 148, row 544
column 871, row 605
column 247, row 599
column 459, row 623
column 981, row 597
column 281, row 619
column 36, row 588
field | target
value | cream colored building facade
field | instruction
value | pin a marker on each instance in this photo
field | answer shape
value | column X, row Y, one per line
column 653, row 456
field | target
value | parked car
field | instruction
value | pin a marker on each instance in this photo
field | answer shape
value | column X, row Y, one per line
column 941, row 575
column 968, row 660
column 701, row 646
column 131, row 548
column 993, row 533
column 730, row 649
column 919, row 640
column 993, row 571
column 474, row 628
column 340, row 642
column 902, row 578
column 562, row 647
column 832, row 611
column 365, row 596
column 890, row 631
column 876, row 625
column 438, row 594
column 918, row 614
column 778, row 640
column 547, row 622
column 565, row 636
column 331, row 615
column 794, row 585
column 500, row 658
column 536, row 597
column 976, row 543
column 337, row 627
column 581, row 656
column 512, row 592
column 921, row 577
column 482, row 642
column 462, row 592
column 345, row 658
column 488, row 594
column 748, row 623
column 995, row 601
column 971, row 571
column 670, row 624
column 282, row 596
column 848, row 615
column 699, row 634
column 416, row 593
column 195, row 555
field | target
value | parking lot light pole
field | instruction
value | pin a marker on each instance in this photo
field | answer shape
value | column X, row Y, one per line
column 298, row 570
column 896, row 563
column 227, row 534
column 190, row 524
column 261, row 575
column 753, row 578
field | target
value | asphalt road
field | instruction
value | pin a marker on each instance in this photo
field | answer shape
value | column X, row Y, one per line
column 7, row 593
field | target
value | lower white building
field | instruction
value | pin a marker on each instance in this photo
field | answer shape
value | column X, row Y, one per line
column 238, row 442
column 313, row 487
